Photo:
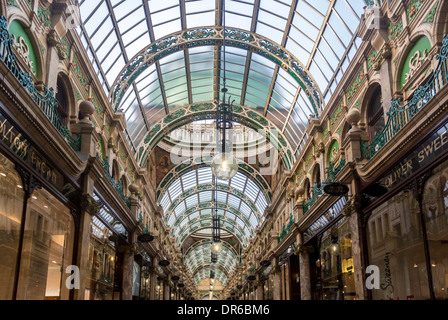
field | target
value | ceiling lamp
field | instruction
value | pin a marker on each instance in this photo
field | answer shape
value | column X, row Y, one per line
column 216, row 246
column 224, row 165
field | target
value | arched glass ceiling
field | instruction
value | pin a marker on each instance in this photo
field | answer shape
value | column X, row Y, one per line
column 203, row 176
column 204, row 273
column 319, row 33
column 199, row 255
column 200, row 222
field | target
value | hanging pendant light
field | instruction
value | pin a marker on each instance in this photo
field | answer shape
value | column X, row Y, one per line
column 224, row 165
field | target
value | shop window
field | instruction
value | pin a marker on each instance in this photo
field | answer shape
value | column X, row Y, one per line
column 375, row 114
column 11, row 208
column 435, row 208
column 395, row 246
column 47, row 249
column 336, row 263
column 62, row 100
column 102, row 263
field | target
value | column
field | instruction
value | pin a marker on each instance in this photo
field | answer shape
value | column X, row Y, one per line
column 128, row 270
column 304, row 268
column 166, row 290
column 260, row 289
column 277, row 274
column 352, row 211
column 89, row 207
column 153, row 279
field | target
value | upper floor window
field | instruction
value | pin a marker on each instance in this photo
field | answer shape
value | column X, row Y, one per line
column 375, row 113
column 62, row 99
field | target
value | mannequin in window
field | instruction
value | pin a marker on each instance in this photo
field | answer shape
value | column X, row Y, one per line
column 375, row 114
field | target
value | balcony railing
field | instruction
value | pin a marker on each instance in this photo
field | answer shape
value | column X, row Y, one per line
column 286, row 228
column 318, row 191
column 46, row 100
column 399, row 115
column 118, row 186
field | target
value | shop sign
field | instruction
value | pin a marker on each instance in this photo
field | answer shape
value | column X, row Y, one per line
column 335, row 189
column 432, row 148
column 23, row 149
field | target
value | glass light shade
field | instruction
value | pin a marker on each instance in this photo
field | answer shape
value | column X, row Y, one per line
column 334, row 248
column 217, row 247
column 224, row 166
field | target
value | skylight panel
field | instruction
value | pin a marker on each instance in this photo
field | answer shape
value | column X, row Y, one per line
column 171, row 220
column 200, row 19
column 340, row 28
column 251, row 190
column 253, row 221
column 165, row 29
column 245, row 209
column 321, row 5
column 165, row 202
column 204, row 175
column 347, row 14
column 189, row 180
column 175, row 189
column 205, row 196
column 221, row 196
column 234, row 201
column 238, row 181
column 180, row 208
column 235, row 20
column 321, row 81
column 261, row 204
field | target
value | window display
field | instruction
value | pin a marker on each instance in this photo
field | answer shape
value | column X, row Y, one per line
column 11, row 210
column 47, row 249
column 102, row 259
column 395, row 245
column 435, row 210
column 336, row 263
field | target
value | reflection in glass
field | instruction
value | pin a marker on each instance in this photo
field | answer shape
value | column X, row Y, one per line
column 11, row 207
column 435, row 209
column 47, row 249
column 395, row 245
column 336, row 263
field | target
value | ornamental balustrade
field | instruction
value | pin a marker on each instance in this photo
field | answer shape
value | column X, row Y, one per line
column 286, row 228
column 399, row 115
column 46, row 99
column 332, row 172
column 118, row 186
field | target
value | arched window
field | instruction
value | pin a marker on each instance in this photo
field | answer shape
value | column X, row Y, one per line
column 316, row 176
column 307, row 188
column 375, row 113
column 62, row 99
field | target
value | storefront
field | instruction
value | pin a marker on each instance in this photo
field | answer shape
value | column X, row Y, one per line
column 331, row 258
column 107, row 234
column 37, row 219
column 407, row 227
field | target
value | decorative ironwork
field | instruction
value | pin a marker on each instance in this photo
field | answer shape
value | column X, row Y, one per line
column 399, row 115
column 46, row 100
column 118, row 186
column 210, row 36
column 286, row 228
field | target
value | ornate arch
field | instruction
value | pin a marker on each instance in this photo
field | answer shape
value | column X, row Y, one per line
column 194, row 163
column 212, row 35
column 207, row 110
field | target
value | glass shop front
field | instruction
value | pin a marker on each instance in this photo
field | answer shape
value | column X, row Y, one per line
column 331, row 258
column 407, row 227
column 36, row 227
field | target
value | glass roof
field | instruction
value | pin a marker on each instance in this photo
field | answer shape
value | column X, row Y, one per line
column 319, row 33
column 188, row 203
column 199, row 256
